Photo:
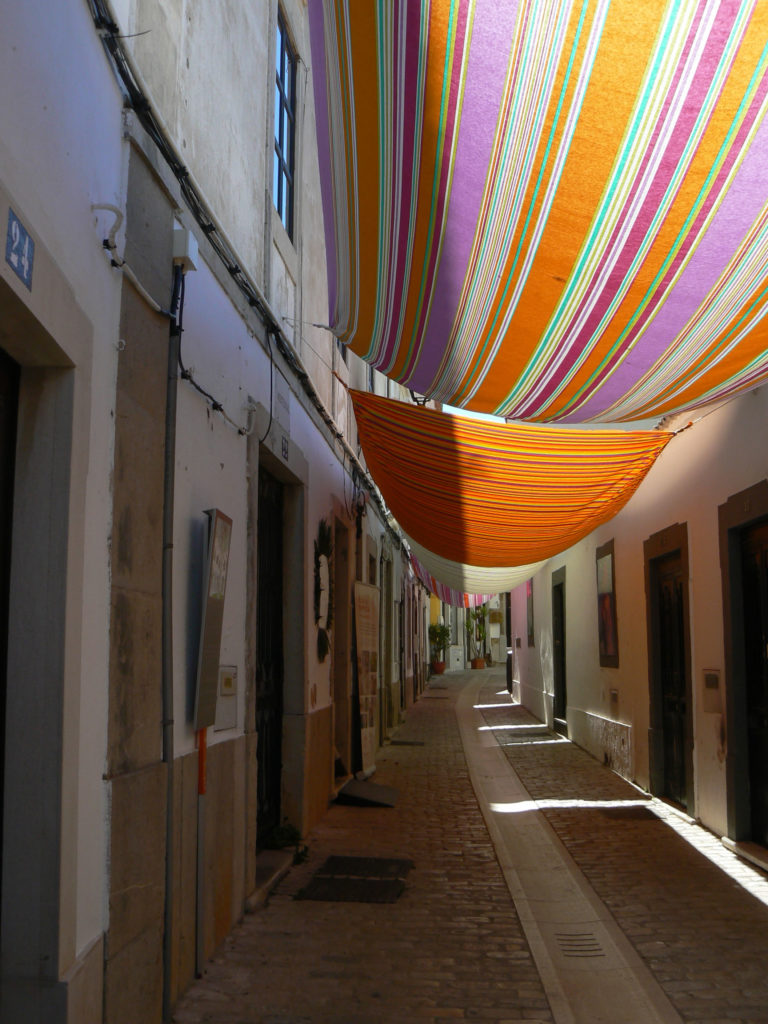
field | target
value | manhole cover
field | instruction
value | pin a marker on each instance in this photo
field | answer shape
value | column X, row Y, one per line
column 358, row 880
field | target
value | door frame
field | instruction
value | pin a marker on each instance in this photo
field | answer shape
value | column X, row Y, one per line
column 660, row 545
column 560, row 724
column 49, row 335
column 740, row 511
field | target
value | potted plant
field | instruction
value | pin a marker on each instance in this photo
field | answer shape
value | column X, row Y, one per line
column 439, row 635
column 476, row 632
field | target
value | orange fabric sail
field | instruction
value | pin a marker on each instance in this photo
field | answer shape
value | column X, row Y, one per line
column 493, row 495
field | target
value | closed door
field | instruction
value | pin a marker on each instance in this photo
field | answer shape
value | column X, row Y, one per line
column 269, row 654
column 558, row 656
column 9, row 400
column 670, row 625
column 755, row 603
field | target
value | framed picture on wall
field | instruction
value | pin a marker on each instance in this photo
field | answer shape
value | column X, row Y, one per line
column 529, row 608
column 607, row 627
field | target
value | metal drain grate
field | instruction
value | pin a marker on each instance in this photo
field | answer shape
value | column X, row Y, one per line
column 579, row 944
column 406, row 743
column 358, row 880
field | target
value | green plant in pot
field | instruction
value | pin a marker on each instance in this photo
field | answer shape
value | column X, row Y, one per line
column 439, row 637
column 476, row 634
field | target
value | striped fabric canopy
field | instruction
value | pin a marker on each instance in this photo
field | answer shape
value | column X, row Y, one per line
column 447, row 594
column 472, row 578
column 554, row 210
column 503, row 495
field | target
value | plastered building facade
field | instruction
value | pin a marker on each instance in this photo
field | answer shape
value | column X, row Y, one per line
column 164, row 358
column 675, row 699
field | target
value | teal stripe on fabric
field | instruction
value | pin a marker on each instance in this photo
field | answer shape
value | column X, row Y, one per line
column 439, row 152
column 537, row 188
column 602, row 217
column 698, row 203
column 699, row 127
column 383, row 65
column 489, row 249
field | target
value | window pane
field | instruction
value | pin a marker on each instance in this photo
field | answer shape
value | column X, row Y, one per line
column 286, row 141
column 284, row 155
column 284, row 210
column 276, row 182
column 278, row 109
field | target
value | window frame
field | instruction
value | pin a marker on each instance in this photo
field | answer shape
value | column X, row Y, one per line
column 284, row 155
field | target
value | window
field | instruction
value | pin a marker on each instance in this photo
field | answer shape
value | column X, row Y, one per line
column 285, row 124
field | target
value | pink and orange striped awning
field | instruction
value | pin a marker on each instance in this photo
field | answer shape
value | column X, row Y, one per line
column 490, row 495
column 554, row 210
column 551, row 210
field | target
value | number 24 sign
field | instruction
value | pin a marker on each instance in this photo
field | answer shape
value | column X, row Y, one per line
column 19, row 249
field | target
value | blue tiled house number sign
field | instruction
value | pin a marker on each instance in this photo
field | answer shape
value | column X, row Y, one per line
column 19, row 249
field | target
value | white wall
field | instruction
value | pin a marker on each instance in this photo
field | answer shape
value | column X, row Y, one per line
column 60, row 152
column 719, row 456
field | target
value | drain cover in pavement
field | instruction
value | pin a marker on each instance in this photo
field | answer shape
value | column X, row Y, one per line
column 358, row 880
column 406, row 743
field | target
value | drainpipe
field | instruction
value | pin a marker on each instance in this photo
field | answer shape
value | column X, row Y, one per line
column 174, row 339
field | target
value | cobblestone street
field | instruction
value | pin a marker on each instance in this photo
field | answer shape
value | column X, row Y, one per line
column 452, row 947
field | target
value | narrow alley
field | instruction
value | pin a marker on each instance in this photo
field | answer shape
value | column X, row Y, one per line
column 647, row 918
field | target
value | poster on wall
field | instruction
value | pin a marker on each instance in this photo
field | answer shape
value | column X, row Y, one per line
column 215, row 586
column 367, row 637
column 608, row 639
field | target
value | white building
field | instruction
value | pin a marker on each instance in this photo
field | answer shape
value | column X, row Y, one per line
column 678, row 701
column 140, row 195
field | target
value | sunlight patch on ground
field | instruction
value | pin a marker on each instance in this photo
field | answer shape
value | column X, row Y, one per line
column 710, row 846
column 514, row 742
column 706, row 843
column 563, row 805
column 753, row 880
column 532, row 727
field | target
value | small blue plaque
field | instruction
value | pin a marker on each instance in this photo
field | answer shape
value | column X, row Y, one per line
column 19, row 249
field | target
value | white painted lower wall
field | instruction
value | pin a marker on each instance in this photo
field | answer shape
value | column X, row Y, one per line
column 608, row 708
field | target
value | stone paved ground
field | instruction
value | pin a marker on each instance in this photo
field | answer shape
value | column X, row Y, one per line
column 450, row 949
column 703, row 936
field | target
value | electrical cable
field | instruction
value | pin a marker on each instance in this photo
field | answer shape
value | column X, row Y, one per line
column 129, row 79
column 187, row 374
column 271, row 385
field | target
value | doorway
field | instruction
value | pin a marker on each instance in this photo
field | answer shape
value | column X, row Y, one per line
column 754, row 582
column 560, row 696
column 9, row 407
column 671, row 731
column 269, row 655
column 342, row 700
column 743, row 521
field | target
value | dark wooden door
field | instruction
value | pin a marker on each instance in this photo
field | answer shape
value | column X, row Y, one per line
column 670, row 626
column 269, row 654
column 9, row 403
column 558, row 656
column 755, row 584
